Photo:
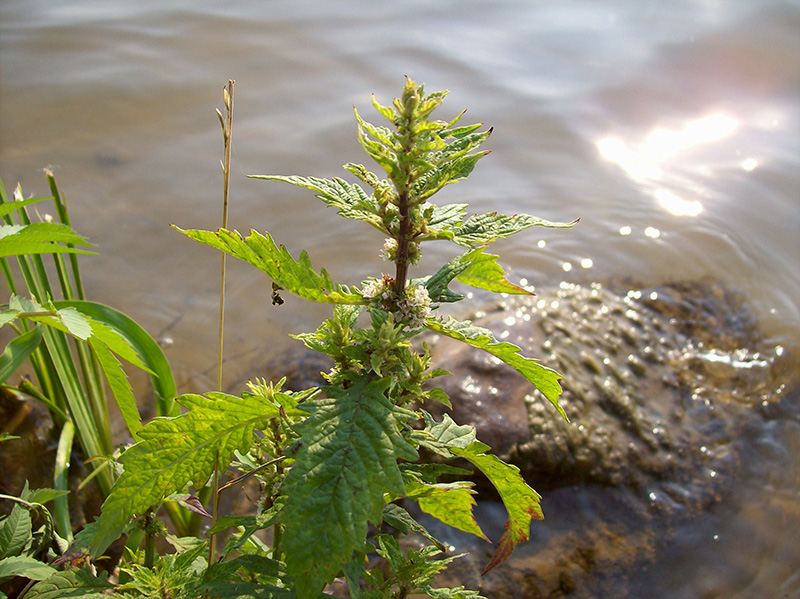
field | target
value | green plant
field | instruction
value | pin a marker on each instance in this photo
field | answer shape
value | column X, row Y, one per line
column 335, row 459
column 25, row 541
column 72, row 344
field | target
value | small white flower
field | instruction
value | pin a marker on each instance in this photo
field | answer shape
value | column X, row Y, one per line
column 372, row 289
column 389, row 252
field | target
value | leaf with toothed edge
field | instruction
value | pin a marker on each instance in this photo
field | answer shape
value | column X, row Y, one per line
column 348, row 198
column 176, row 451
column 295, row 276
column 485, row 228
column 348, row 459
column 543, row 378
column 522, row 502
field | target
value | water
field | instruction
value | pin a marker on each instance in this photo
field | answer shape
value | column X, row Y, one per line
column 671, row 129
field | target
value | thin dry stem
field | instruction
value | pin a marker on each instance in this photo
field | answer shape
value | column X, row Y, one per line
column 227, row 129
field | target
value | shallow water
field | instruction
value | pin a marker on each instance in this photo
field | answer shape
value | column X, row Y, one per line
column 670, row 129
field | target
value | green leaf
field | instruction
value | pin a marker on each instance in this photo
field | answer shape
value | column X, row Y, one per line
column 44, row 495
column 222, row 581
column 24, row 566
column 9, row 207
column 485, row 228
column 119, row 384
column 67, row 320
column 385, row 111
column 439, row 437
column 70, row 584
column 17, row 352
column 143, row 345
column 175, row 451
column 296, row 277
column 445, row 174
column 349, row 199
column 543, row 378
column 465, row 140
column 15, row 531
column 450, row 593
column 380, row 148
column 442, row 220
column 472, row 268
column 250, row 590
column 483, row 272
column 399, row 518
column 522, row 502
column 348, row 460
column 39, row 238
column 450, row 503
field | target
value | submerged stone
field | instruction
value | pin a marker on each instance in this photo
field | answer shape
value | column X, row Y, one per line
column 674, row 398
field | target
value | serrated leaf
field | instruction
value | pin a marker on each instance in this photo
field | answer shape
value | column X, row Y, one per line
column 296, row 277
column 451, row 503
column 485, row 228
column 438, row 395
column 380, row 151
column 39, row 238
column 444, row 174
column 175, row 451
column 473, row 268
column 370, row 178
column 450, row 593
column 70, row 584
column 445, row 218
column 462, row 144
column 9, row 207
column 347, row 461
column 439, row 437
column 44, row 495
column 385, row 111
column 27, row 567
column 399, row 518
column 543, row 378
column 68, row 320
column 119, row 384
column 382, row 134
column 483, row 272
column 522, row 502
column 349, row 199
column 15, row 531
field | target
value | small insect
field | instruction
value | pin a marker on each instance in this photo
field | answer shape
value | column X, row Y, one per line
column 277, row 300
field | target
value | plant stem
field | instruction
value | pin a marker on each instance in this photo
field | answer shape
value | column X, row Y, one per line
column 149, row 541
column 227, row 129
column 404, row 234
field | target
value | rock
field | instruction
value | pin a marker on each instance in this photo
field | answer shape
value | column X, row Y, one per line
column 678, row 409
column 654, row 382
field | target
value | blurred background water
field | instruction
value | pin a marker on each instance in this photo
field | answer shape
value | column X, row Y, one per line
column 669, row 128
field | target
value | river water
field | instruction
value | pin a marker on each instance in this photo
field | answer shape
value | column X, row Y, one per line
column 669, row 128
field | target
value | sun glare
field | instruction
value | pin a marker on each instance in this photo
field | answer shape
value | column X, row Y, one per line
column 647, row 162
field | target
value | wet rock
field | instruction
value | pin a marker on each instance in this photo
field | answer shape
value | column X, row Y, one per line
column 654, row 384
column 678, row 409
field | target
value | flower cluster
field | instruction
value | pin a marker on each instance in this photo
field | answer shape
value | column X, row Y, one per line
column 389, row 252
column 415, row 307
column 412, row 309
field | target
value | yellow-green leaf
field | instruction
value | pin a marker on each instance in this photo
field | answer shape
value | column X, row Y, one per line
column 522, row 502
column 295, row 276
